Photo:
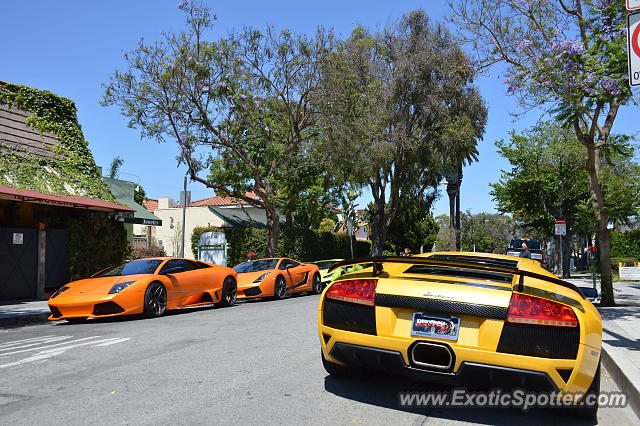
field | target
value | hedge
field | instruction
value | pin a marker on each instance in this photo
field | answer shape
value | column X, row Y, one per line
column 625, row 244
column 302, row 244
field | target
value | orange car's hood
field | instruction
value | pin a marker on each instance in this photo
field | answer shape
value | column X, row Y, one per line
column 249, row 277
column 99, row 285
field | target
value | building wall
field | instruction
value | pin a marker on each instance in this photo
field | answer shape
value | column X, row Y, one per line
column 169, row 235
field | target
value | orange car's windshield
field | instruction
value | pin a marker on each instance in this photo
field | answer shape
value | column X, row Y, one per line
column 143, row 266
column 256, row 265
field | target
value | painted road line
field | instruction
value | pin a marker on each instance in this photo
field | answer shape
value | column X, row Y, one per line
column 41, row 342
column 123, row 339
column 49, row 353
column 49, row 346
column 15, row 342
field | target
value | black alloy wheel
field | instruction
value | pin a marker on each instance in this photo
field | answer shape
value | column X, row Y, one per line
column 155, row 300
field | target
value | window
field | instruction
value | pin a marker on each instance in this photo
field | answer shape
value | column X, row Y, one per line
column 256, row 265
column 143, row 266
column 175, row 263
column 288, row 263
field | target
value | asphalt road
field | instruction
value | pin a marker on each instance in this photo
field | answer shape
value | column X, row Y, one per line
column 255, row 363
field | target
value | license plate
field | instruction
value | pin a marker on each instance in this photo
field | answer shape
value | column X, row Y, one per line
column 432, row 325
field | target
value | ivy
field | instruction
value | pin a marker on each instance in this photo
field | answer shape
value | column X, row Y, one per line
column 73, row 170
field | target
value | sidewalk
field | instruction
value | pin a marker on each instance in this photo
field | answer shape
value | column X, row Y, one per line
column 621, row 336
column 24, row 311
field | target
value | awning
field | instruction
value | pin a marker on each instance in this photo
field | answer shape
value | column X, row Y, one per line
column 29, row 196
column 123, row 191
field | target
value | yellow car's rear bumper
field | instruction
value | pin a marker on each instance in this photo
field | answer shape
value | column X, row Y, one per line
column 471, row 366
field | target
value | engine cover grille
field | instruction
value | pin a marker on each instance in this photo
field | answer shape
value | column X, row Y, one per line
column 539, row 340
column 349, row 316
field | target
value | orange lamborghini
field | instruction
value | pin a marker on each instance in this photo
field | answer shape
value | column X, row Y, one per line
column 276, row 278
column 145, row 286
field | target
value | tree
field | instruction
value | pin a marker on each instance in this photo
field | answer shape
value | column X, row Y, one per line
column 239, row 107
column 413, row 227
column 139, row 194
column 485, row 232
column 548, row 181
column 388, row 100
column 569, row 57
column 114, row 168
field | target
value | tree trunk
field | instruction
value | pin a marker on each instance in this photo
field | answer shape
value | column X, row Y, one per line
column 273, row 225
column 566, row 256
column 451, row 192
column 458, row 190
column 602, row 233
column 378, row 229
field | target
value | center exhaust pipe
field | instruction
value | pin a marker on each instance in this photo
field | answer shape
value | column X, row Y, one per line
column 432, row 356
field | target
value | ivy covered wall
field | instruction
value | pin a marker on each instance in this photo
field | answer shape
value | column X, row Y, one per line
column 72, row 170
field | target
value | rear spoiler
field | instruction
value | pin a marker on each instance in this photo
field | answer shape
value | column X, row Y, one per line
column 468, row 262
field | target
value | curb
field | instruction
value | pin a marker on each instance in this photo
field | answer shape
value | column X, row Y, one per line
column 621, row 379
column 22, row 320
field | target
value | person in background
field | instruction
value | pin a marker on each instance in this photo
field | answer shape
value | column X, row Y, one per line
column 406, row 252
column 251, row 256
column 525, row 251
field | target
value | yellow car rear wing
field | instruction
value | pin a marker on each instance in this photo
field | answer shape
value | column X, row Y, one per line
column 476, row 263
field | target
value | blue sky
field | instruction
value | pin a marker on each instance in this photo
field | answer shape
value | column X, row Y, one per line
column 72, row 47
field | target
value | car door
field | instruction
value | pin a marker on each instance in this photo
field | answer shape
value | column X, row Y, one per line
column 183, row 281
column 295, row 274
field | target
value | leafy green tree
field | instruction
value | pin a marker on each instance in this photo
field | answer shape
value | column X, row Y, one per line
column 486, row 232
column 413, row 227
column 114, row 167
column 238, row 107
column 547, row 181
column 569, row 57
column 139, row 194
column 389, row 103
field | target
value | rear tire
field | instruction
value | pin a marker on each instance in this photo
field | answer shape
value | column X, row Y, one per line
column 341, row 371
column 155, row 300
column 316, row 284
column 280, row 288
column 229, row 293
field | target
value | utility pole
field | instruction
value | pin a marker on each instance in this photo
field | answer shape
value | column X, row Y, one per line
column 185, row 200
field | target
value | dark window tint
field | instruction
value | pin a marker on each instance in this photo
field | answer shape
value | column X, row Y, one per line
column 201, row 265
column 460, row 273
column 143, row 266
column 256, row 265
column 288, row 263
column 175, row 263
column 532, row 244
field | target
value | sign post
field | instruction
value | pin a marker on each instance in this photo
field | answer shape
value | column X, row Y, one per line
column 561, row 229
column 633, row 39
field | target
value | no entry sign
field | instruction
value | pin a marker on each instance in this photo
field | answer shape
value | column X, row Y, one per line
column 633, row 37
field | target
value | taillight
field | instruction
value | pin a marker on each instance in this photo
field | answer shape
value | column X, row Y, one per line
column 354, row 291
column 527, row 309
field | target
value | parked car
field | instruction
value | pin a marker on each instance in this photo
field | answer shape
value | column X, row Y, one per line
column 515, row 248
column 145, row 286
column 276, row 277
column 466, row 319
column 323, row 266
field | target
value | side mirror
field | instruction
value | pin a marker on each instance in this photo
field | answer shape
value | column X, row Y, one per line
column 174, row 270
column 589, row 292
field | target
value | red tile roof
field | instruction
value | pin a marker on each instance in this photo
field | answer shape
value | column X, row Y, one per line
column 30, row 196
column 150, row 204
column 220, row 201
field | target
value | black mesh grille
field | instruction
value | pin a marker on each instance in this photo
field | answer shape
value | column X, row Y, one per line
column 349, row 316
column 540, row 340
column 55, row 312
column 439, row 306
column 252, row 291
column 107, row 308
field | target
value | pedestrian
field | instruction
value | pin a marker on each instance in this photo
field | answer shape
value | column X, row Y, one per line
column 251, row 256
column 525, row 251
column 406, row 252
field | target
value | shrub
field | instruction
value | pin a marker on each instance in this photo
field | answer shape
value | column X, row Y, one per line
column 140, row 253
column 296, row 243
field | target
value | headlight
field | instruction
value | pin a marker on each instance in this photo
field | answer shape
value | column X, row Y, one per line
column 120, row 286
column 59, row 291
column 261, row 277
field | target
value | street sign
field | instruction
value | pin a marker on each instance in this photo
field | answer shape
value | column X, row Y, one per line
column 633, row 38
column 561, row 227
column 633, row 4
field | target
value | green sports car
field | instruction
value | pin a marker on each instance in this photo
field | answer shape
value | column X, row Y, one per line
column 324, row 266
